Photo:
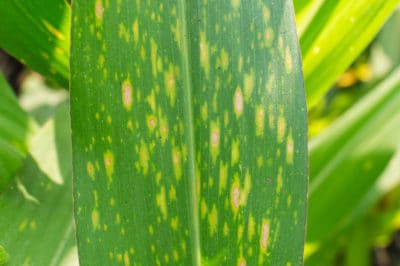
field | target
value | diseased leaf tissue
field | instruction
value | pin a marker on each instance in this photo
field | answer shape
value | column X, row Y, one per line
column 187, row 118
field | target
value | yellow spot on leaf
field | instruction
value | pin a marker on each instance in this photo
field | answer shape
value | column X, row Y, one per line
column 90, row 170
column 98, row 10
column 163, row 130
column 238, row 102
column 22, row 225
column 260, row 161
column 135, row 30
column 123, row 32
column 175, row 223
column 240, row 64
column 225, row 229
column 95, row 219
column 32, row 225
column 235, row 153
column 266, row 13
column 129, row 125
column 279, row 180
column 175, row 254
column 162, row 203
column 259, row 121
column 112, row 202
column 170, row 83
column 59, row 35
column 214, row 140
column 117, row 218
column 127, row 94
column 235, row 195
column 281, row 128
column 109, row 119
column 177, row 163
column 109, row 165
column 204, row 54
column 153, row 47
column 213, row 220
column 95, row 199
column 289, row 148
column 288, row 60
column 144, row 157
column 126, row 259
column 241, row 262
column 224, row 60
column 269, row 36
column 235, row 3
column 251, row 228
column 204, row 111
column 151, row 100
column 172, row 193
column 264, row 235
column 151, row 230
column 240, row 232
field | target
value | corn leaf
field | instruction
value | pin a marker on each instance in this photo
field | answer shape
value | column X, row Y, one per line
column 189, row 133
column 355, row 158
column 38, row 35
column 14, row 128
column 332, row 34
column 36, row 214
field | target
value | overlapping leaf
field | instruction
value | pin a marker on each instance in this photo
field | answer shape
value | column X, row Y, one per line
column 36, row 214
column 354, row 162
column 14, row 129
column 332, row 35
column 38, row 35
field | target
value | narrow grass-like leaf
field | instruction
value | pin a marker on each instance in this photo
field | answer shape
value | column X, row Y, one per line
column 36, row 214
column 14, row 128
column 189, row 133
column 354, row 158
column 332, row 35
column 38, row 35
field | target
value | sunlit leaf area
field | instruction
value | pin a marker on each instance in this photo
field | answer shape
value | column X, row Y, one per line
column 230, row 132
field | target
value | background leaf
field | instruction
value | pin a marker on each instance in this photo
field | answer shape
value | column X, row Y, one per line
column 356, row 159
column 38, row 35
column 332, row 34
column 14, row 128
column 189, row 136
column 40, row 232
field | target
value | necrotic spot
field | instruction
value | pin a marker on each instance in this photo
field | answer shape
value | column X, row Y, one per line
column 127, row 94
column 264, row 235
column 99, row 9
column 238, row 102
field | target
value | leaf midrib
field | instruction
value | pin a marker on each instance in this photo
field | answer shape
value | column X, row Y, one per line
column 190, row 139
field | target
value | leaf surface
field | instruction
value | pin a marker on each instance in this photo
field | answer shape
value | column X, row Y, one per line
column 189, row 133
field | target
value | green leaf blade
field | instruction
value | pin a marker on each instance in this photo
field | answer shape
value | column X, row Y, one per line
column 147, row 153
